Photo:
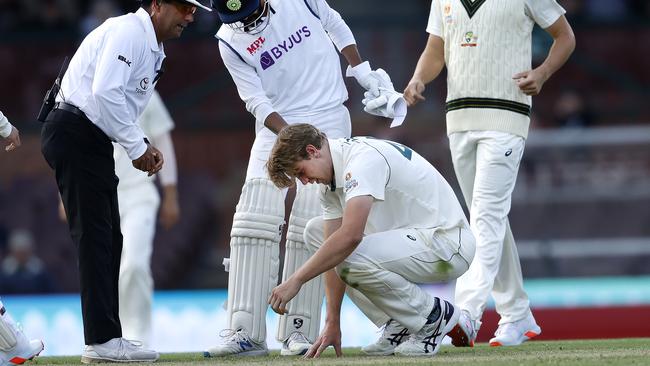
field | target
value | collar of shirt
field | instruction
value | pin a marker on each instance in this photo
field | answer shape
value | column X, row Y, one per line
column 145, row 18
column 336, row 151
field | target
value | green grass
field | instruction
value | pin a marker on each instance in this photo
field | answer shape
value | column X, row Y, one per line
column 573, row 353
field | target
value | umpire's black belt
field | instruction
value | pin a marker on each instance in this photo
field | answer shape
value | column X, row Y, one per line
column 70, row 108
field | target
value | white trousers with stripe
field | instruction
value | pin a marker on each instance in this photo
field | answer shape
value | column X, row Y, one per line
column 486, row 165
column 385, row 269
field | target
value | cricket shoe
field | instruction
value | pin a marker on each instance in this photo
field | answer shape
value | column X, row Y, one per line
column 392, row 335
column 15, row 347
column 22, row 352
column 237, row 343
column 426, row 342
column 464, row 333
column 297, row 344
column 118, row 350
column 516, row 333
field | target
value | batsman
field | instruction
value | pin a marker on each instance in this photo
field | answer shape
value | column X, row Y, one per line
column 282, row 56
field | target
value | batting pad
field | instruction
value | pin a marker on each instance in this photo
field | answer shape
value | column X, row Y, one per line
column 7, row 335
column 304, row 310
column 254, row 255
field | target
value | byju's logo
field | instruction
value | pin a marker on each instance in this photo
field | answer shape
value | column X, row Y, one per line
column 268, row 58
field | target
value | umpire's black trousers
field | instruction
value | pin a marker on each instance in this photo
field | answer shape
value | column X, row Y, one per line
column 82, row 158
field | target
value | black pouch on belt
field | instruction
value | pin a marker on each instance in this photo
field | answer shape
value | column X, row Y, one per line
column 50, row 95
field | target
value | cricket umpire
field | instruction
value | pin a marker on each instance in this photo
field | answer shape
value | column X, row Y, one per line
column 110, row 80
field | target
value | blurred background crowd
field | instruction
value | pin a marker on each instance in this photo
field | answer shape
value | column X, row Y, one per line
column 580, row 206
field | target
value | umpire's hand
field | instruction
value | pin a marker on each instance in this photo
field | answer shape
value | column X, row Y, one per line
column 151, row 161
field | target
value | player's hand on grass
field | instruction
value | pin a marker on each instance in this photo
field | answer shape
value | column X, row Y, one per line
column 282, row 294
column 13, row 139
column 331, row 336
column 413, row 92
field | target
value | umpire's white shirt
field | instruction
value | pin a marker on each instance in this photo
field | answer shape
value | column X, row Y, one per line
column 292, row 66
column 112, row 75
column 154, row 121
column 408, row 191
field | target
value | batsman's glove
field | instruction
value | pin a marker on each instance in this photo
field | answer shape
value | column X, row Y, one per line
column 369, row 79
column 389, row 104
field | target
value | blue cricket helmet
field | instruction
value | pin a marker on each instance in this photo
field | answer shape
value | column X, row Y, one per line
column 232, row 11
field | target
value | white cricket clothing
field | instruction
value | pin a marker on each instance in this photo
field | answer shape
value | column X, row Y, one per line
column 485, row 44
column 139, row 201
column 486, row 165
column 335, row 123
column 112, row 75
column 155, row 121
column 5, row 126
column 138, row 212
column 408, row 191
column 416, row 231
column 291, row 67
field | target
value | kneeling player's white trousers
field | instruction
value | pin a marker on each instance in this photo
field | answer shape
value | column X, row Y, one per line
column 387, row 267
column 486, row 165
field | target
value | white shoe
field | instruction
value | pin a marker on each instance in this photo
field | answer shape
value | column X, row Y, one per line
column 22, row 352
column 297, row 344
column 464, row 333
column 392, row 335
column 426, row 342
column 516, row 333
column 237, row 343
column 23, row 349
column 118, row 350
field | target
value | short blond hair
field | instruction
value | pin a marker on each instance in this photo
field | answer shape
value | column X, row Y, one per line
column 290, row 148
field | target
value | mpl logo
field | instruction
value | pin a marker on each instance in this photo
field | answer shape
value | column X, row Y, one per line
column 256, row 45
column 268, row 58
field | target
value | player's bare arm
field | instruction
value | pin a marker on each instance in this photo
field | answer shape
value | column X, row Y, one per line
column 335, row 249
column 428, row 68
column 275, row 122
column 351, row 54
column 334, row 291
column 564, row 42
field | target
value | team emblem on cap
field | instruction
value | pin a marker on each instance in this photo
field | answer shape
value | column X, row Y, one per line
column 233, row 5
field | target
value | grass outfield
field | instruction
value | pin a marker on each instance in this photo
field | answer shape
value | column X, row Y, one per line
column 592, row 352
